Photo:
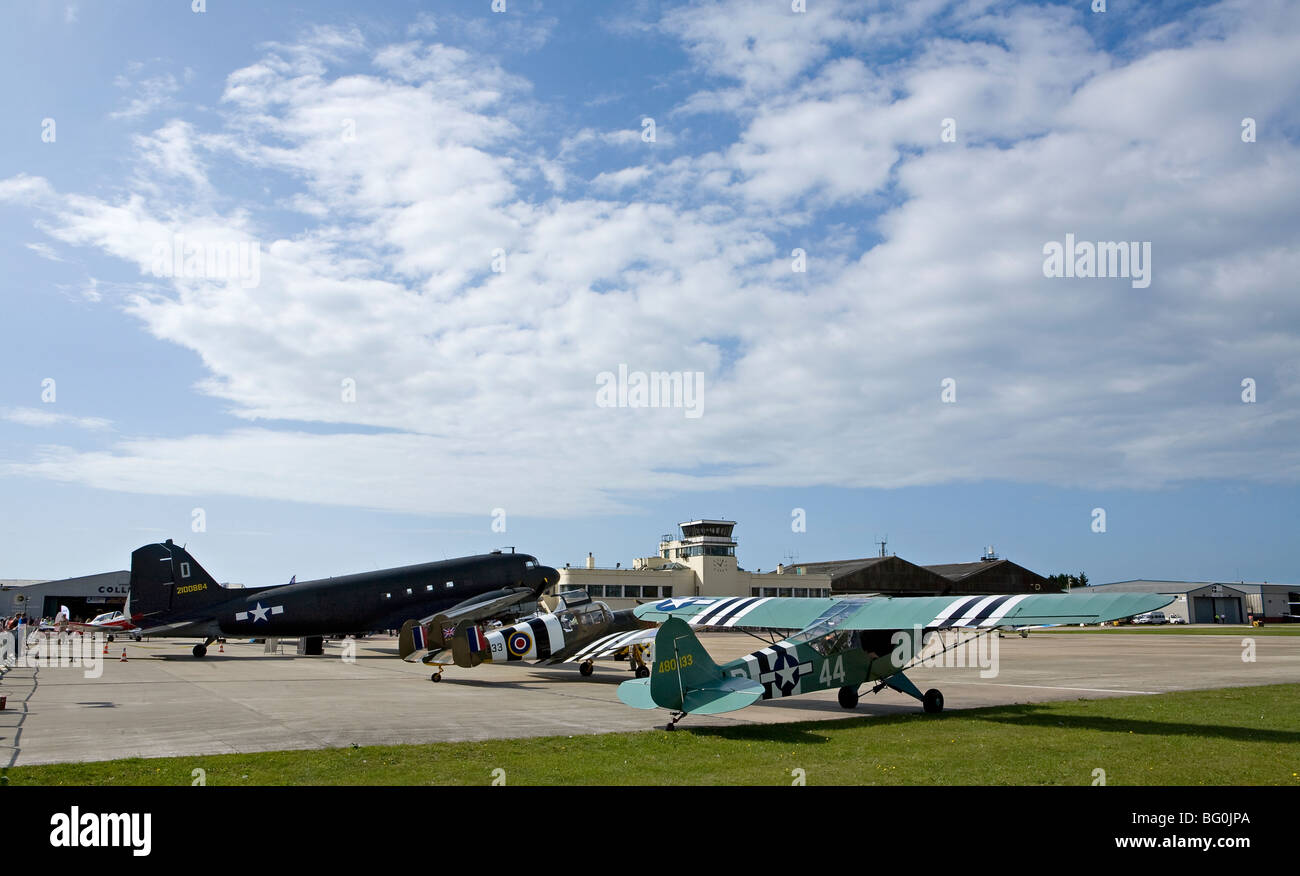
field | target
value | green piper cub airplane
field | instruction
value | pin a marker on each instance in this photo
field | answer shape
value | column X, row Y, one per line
column 842, row 643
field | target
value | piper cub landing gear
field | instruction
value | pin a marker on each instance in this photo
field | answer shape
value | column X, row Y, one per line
column 586, row 668
column 848, row 697
column 933, row 701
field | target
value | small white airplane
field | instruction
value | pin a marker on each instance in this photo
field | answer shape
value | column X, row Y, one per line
column 110, row 622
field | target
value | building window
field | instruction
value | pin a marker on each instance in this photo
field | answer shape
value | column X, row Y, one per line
column 449, row 585
column 753, row 591
column 665, row 592
column 614, row 590
column 649, row 592
column 801, row 591
column 595, row 590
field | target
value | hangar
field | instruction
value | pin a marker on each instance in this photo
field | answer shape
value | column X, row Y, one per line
column 85, row 596
column 1203, row 602
column 991, row 574
column 894, row 576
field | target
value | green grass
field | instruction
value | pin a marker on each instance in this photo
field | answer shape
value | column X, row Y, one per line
column 1182, row 630
column 1231, row 736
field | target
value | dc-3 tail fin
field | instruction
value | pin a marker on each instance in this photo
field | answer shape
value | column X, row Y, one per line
column 684, row 678
column 164, row 577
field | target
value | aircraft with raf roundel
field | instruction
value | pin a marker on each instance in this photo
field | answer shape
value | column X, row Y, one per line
column 578, row 631
column 842, row 643
column 172, row 595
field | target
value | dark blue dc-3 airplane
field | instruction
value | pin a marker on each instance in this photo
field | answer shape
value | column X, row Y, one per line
column 172, row 595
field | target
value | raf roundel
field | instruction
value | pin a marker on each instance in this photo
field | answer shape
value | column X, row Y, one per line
column 519, row 643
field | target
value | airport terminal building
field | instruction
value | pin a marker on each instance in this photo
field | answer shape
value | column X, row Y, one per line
column 701, row 561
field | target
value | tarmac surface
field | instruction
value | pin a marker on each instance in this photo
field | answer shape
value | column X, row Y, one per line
column 164, row 702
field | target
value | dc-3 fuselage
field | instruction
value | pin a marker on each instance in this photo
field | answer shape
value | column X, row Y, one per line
column 172, row 595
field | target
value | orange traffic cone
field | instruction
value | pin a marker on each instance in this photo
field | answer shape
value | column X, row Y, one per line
column 106, row 647
column 222, row 649
column 123, row 660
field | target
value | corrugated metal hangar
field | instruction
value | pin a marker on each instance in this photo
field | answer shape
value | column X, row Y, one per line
column 85, row 597
column 1208, row 602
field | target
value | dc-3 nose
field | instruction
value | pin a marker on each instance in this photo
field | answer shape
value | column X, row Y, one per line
column 545, row 576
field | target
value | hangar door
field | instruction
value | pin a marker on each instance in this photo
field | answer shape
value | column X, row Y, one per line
column 1206, row 607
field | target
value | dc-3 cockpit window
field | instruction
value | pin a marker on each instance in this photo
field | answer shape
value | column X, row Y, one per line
column 824, row 635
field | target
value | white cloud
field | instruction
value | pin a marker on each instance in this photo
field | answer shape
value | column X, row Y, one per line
column 482, row 383
column 149, row 95
column 40, row 418
column 45, row 251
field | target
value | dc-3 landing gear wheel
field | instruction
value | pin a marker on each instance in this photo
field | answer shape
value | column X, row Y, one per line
column 437, row 676
column 933, row 701
column 849, row 697
column 586, row 668
column 642, row 672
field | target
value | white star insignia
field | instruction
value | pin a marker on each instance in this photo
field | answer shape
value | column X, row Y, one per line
column 788, row 674
column 259, row 613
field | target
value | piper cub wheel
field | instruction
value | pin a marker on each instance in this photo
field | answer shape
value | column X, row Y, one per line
column 642, row 672
column 200, row 650
column 586, row 668
column 849, row 697
column 933, row 701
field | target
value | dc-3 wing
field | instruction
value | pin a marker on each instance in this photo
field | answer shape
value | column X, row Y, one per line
column 488, row 606
column 898, row 613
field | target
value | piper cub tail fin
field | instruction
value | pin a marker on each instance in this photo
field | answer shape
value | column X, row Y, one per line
column 684, row 678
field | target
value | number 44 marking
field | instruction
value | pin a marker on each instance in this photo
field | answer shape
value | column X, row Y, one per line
column 827, row 673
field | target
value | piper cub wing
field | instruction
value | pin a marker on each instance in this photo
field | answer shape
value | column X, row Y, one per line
column 841, row 643
column 905, row 612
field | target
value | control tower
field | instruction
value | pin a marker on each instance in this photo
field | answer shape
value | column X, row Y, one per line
column 708, row 549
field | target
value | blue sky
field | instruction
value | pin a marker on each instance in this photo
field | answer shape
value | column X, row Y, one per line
column 461, row 212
